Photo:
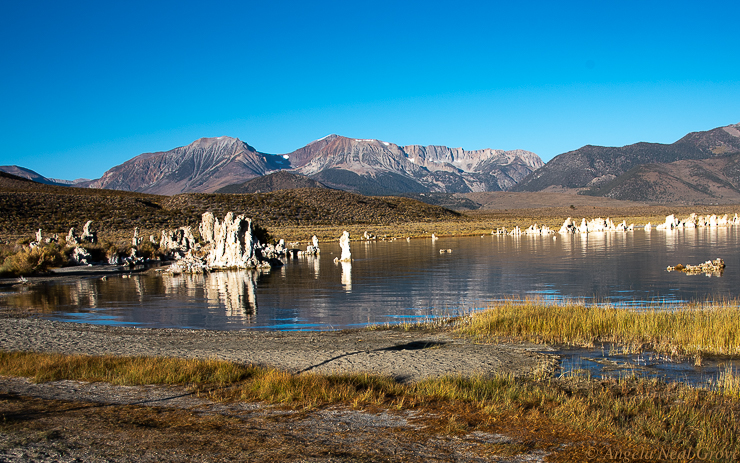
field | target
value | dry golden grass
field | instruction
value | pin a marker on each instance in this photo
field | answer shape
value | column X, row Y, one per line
column 626, row 413
column 121, row 370
column 693, row 329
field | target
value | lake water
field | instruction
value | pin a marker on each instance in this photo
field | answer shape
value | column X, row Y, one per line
column 396, row 281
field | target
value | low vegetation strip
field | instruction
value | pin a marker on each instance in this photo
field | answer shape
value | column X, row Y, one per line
column 565, row 415
column 692, row 329
column 121, row 370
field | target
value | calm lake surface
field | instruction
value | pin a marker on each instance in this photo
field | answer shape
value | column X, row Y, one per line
column 392, row 282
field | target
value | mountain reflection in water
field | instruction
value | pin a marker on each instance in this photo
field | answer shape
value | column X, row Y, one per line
column 400, row 281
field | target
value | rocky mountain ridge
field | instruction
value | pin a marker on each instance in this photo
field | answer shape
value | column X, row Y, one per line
column 205, row 165
column 366, row 166
column 377, row 167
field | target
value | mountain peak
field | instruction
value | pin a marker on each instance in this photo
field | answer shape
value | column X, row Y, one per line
column 204, row 165
column 733, row 129
column 223, row 140
column 326, row 138
column 329, row 138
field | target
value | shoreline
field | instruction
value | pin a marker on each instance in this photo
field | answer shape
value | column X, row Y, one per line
column 77, row 272
column 407, row 356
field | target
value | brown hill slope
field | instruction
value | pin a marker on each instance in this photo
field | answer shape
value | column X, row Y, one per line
column 592, row 166
column 706, row 181
column 313, row 206
column 273, row 182
column 26, row 206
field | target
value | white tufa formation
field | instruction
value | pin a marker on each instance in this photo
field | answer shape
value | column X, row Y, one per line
column 207, row 227
column 136, row 241
column 80, row 256
column 72, row 238
column 344, row 244
column 698, row 221
column 607, row 225
column 233, row 244
column 87, row 235
column 178, row 241
column 312, row 249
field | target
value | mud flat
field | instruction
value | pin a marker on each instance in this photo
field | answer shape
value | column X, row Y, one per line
column 72, row 421
column 404, row 355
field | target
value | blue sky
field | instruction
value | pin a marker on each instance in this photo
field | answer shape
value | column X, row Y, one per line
column 85, row 86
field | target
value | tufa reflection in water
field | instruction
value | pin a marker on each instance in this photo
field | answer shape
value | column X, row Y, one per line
column 347, row 276
column 233, row 292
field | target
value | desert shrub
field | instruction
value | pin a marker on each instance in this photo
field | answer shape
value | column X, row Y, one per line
column 149, row 250
column 7, row 250
column 113, row 250
column 30, row 261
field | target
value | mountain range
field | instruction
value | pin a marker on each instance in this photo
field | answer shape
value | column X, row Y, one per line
column 361, row 165
column 203, row 166
column 701, row 167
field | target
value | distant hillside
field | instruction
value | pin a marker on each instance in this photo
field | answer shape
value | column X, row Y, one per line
column 273, row 182
column 33, row 176
column 596, row 166
column 705, row 181
column 26, row 206
column 387, row 183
